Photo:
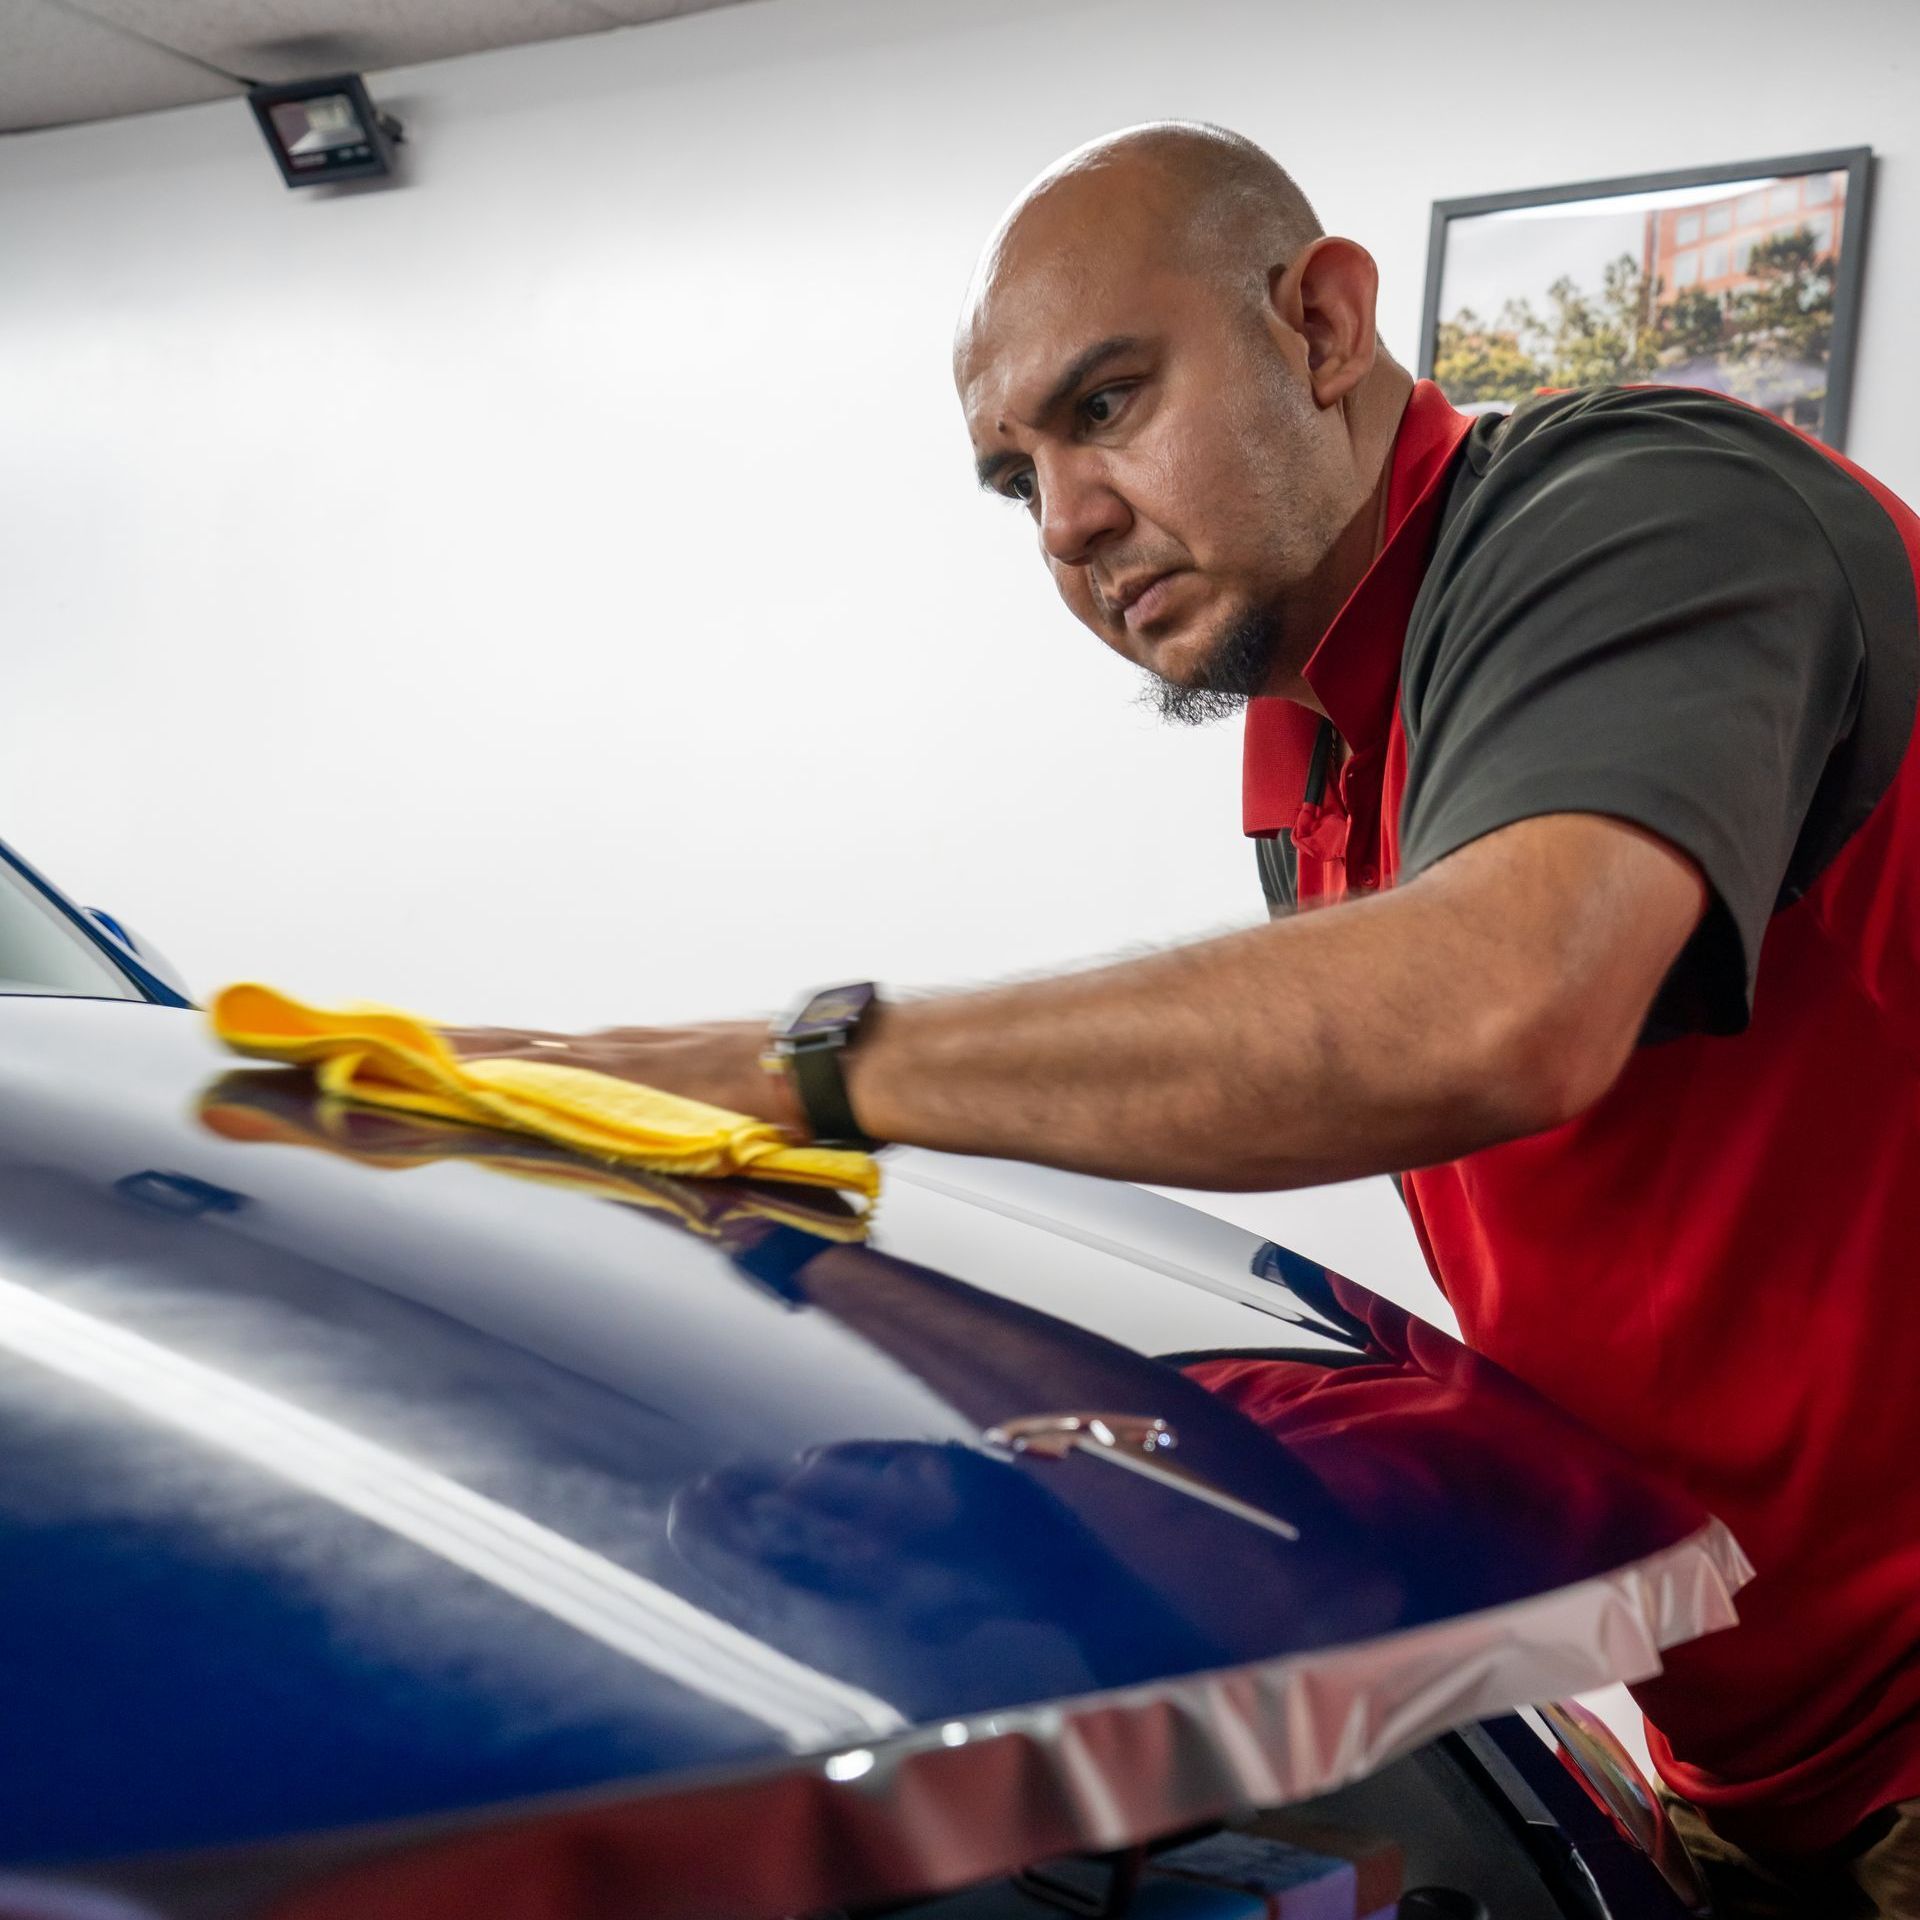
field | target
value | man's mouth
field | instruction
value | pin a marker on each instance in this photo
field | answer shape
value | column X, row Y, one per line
column 1142, row 601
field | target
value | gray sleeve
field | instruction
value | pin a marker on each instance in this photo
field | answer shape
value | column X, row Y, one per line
column 1638, row 615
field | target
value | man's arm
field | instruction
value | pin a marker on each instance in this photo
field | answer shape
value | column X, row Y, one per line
column 1498, row 994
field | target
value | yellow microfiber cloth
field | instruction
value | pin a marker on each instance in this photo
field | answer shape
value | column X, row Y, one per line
column 256, row 1107
column 390, row 1059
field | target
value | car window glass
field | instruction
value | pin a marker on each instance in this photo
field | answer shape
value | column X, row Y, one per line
column 42, row 951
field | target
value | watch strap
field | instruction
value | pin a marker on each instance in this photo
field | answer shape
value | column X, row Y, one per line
column 810, row 1044
column 821, row 1082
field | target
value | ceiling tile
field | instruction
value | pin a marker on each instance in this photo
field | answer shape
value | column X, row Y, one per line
column 96, row 59
column 63, row 66
column 297, row 39
column 638, row 12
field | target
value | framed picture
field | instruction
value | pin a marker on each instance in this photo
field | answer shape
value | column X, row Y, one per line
column 1743, row 278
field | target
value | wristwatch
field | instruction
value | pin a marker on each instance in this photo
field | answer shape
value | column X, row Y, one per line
column 806, row 1046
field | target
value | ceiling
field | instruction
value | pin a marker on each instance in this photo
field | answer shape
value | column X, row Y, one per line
column 67, row 60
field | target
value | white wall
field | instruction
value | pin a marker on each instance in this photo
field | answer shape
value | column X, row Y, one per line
column 555, row 590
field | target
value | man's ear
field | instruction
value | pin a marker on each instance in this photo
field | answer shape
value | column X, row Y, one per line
column 1326, row 295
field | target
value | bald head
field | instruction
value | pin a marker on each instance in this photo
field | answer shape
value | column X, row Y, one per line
column 1173, row 369
column 1207, row 201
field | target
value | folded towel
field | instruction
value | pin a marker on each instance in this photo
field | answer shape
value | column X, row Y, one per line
column 390, row 1059
column 258, row 1107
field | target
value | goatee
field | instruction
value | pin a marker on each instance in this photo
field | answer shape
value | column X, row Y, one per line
column 1241, row 666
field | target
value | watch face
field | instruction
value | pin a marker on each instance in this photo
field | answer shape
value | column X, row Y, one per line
column 835, row 1008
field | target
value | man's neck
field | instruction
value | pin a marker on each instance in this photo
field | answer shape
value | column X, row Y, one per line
column 1374, row 412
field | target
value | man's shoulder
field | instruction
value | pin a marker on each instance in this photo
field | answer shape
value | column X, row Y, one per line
column 1605, row 433
column 1606, row 470
column 1604, row 509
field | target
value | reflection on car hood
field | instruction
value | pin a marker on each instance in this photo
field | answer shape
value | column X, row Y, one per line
column 360, row 1470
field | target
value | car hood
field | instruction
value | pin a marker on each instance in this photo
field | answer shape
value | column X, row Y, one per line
column 384, row 1499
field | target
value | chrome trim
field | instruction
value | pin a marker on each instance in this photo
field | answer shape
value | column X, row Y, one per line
column 1134, row 1442
column 1057, row 1434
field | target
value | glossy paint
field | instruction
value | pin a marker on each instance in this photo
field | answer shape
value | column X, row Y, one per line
column 358, row 1470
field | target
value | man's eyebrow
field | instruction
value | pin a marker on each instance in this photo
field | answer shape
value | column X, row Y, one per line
column 1079, row 370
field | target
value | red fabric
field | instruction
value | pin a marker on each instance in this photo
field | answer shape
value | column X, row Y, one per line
column 1356, row 681
column 1446, row 1464
column 1717, row 1266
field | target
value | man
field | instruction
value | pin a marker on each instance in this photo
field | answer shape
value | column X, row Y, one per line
column 1593, row 729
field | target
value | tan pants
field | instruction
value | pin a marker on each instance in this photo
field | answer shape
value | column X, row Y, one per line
column 1874, row 1874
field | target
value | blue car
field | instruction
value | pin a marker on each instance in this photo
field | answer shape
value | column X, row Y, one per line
column 404, row 1519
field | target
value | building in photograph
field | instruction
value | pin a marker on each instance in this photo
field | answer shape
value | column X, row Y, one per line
column 1707, row 246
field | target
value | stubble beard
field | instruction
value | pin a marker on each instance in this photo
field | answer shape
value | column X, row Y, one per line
column 1239, row 670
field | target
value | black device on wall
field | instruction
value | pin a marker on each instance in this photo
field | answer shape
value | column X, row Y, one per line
column 325, row 130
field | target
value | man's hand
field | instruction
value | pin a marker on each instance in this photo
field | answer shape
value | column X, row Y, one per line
column 718, row 1062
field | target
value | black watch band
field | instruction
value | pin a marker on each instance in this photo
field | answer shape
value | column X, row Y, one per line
column 808, row 1045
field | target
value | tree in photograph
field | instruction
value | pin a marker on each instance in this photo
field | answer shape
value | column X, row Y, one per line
column 1780, row 329
column 1481, row 360
column 1768, row 343
column 1789, row 314
column 1693, row 326
column 1583, row 340
column 1604, row 338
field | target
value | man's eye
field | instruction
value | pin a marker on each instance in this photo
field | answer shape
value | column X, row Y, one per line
column 1102, row 408
column 1020, row 488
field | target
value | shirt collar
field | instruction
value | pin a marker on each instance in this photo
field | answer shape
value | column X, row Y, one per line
column 1355, row 669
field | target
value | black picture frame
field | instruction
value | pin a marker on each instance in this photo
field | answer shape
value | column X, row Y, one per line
column 1855, row 162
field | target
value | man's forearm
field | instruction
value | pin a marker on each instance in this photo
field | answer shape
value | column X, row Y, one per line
column 1319, row 1048
column 1496, row 996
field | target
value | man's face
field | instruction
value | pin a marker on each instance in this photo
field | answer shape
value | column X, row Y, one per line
column 1158, row 429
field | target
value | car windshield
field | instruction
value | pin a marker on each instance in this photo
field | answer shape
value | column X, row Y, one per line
column 42, row 951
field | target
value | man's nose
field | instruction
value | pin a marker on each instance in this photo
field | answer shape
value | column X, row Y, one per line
column 1079, row 511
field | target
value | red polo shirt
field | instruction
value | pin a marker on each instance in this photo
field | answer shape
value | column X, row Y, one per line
column 1665, row 607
